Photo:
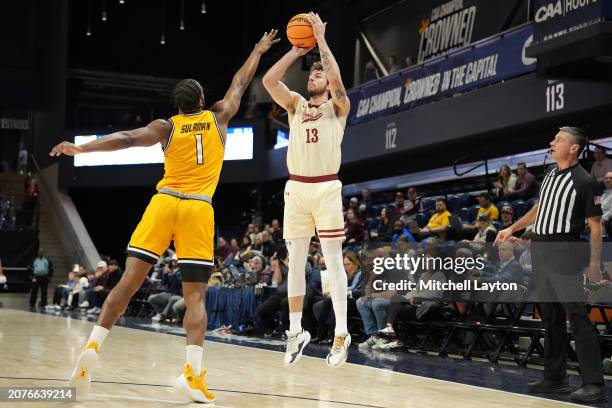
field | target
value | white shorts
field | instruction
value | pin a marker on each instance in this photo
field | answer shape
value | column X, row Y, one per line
column 313, row 205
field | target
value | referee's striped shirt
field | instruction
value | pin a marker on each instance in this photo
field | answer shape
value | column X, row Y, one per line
column 567, row 198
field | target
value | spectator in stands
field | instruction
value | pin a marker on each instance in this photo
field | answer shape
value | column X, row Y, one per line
column 354, row 204
column 78, row 290
column 486, row 233
column 251, row 231
column 525, row 187
column 30, row 199
column 487, row 207
column 411, row 206
column 323, row 308
column 509, row 270
column 374, row 303
column 257, row 271
column 163, row 301
column 398, row 206
column 507, row 219
column 409, row 61
column 366, row 198
column 268, row 247
column 104, row 286
column 362, row 212
column 606, row 204
column 438, row 223
column 506, row 181
column 393, row 66
column 266, row 312
column 385, row 231
column 602, row 164
column 245, row 247
column 370, row 72
column 525, row 258
column 399, row 232
column 355, row 233
column 234, row 247
column 277, row 231
column 101, row 278
column 22, row 159
column 257, row 243
column 62, row 291
column 417, row 304
column 42, row 270
column 222, row 250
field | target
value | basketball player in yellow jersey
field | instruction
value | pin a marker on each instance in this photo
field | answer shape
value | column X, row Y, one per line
column 194, row 145
column 313, row 193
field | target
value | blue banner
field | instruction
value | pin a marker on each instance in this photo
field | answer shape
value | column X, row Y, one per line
column 485, row 62
column 554, row 18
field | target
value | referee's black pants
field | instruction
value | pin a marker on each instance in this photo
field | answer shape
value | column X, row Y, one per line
column 557, row 269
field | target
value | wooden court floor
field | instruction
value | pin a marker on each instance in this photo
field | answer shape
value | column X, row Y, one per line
column 137, row 366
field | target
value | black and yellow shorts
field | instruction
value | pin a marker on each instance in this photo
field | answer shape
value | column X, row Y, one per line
column 190, row 223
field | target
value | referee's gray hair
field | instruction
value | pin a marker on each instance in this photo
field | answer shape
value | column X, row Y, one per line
column 578, row 135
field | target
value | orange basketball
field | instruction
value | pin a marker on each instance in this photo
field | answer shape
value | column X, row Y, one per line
column 299, row 31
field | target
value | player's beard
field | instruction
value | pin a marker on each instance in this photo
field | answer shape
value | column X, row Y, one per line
column 314, row 92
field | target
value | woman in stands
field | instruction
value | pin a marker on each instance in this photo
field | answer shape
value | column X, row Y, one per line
column 385, row 229
column 506, row 181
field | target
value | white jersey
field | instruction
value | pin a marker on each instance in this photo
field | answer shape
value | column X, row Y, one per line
column 315, row 137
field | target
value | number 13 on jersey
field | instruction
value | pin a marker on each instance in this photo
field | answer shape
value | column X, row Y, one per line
column 312, row 135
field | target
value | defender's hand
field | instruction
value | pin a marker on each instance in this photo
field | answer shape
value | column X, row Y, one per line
column 67, row 148
column 318, row 26
column 266, row 41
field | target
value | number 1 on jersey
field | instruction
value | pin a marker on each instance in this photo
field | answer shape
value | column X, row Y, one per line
column 199, row 149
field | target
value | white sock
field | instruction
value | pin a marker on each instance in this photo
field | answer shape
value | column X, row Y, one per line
column 193, row 355
column 98, row 334
column 295, row 322
column 332, row 251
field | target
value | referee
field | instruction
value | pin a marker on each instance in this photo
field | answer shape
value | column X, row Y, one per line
column 567, row 199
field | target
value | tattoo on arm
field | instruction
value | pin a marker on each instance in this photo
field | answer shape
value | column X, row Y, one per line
column 127, row 139
column 340, row 95
column 325, row 61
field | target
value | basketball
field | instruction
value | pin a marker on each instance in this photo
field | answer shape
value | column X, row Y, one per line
column 299, row 31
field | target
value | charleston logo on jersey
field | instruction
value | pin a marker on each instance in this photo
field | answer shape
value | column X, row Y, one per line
column 308, row 117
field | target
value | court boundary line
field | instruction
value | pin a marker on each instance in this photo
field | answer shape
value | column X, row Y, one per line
column 318, row 358
column 212, row 389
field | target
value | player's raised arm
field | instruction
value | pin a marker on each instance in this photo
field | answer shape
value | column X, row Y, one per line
column 332, row 71
column 226, row 108
column 157, row 131
column 272, row 80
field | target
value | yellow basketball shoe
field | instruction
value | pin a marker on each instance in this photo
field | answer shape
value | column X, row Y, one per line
column 193, row 386
column 86, row 363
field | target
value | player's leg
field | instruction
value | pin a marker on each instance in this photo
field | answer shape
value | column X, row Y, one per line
column 298, row 228
column 193, row 240
column 151, row 238
column 330, row 226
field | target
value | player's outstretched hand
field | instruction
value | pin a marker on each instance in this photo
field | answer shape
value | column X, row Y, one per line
column 266, row 41
column 67, row 148
column 318, row 26
column 503, row 236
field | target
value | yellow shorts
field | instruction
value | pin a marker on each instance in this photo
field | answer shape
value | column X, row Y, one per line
column 189, row 223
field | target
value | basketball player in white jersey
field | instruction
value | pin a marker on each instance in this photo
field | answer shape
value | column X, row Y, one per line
column 313, row 197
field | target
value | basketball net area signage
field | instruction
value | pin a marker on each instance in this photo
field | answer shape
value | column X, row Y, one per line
column 449, row 27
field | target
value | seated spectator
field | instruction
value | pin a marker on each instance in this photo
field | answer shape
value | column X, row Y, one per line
column 438, row 223
column 257, row 243
column 400, row 231
column 525, row 258
column 277, row 231
column 257, row 271
column 322, row 309
column 266, row 312
column 417, row 304
column 234, row 247
column 362, row 212
column 103, row 286
column 370, row 72
column 486, row 233
column 171, row 286
column 606, row 204
column 411, row 206
column 245, row 247
column 487, row 207
column 222, row 250
column 409, row 61
column 506, row 181
column 393, row 66
column 96, row 285
column 355, row 233
column 354, row 204
column 268, row 247
column 507, row 219
column 509, row 269
column 525, row 187
column 62, row 291
column 602, row 164
column 30, row 199
column 398, row 206
column 374, row 303
column 78, row 290
column 366, row 198
column 384, row 232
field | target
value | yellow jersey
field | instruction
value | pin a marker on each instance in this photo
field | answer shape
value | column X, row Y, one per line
column 194, row 154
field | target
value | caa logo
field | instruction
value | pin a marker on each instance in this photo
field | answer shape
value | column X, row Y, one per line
column 527, row 61
column 549, row 11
